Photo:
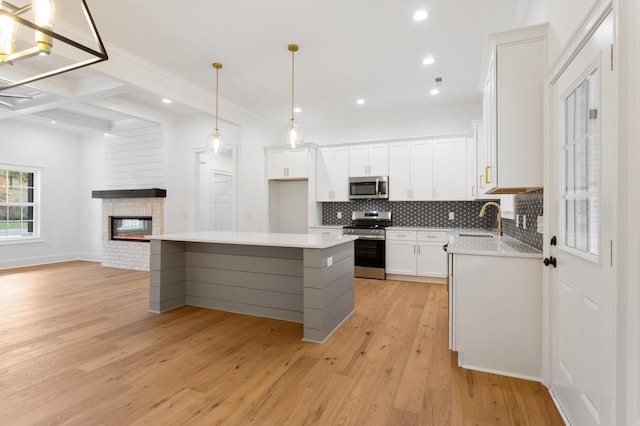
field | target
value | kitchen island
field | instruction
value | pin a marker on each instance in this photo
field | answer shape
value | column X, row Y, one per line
column 302, row 278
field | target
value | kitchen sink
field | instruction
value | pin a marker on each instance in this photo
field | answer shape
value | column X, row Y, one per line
column 476, row 234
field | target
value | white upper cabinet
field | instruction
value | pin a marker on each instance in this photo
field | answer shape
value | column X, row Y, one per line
column 369, row 160
column 513, row 113
column 285, row 164
column 333, row 174
column 450, row 169
column 410, row 171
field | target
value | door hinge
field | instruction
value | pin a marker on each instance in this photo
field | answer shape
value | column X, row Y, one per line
column 611, row 253
column 612, row 57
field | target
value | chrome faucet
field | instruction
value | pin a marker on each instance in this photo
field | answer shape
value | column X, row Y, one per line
column 491, row 203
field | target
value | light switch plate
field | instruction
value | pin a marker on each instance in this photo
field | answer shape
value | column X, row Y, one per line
column 329, row 261
column 524, row 221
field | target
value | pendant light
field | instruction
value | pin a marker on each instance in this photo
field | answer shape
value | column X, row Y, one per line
column 215, row 139
column 39, row 16
column 295, row 132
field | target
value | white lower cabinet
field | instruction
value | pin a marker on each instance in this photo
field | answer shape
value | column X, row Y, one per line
column 496, row 324
column 412, row 255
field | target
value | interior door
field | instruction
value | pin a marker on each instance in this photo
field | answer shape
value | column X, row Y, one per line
column 582, row 323
column 221, row 209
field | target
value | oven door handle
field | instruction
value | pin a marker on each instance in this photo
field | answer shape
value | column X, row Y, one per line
column 370, row 237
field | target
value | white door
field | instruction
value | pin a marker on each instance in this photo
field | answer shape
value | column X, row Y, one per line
column 582, row 323
column 221, row 208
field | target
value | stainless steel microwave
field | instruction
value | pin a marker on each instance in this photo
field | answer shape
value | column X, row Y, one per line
column 368, row 187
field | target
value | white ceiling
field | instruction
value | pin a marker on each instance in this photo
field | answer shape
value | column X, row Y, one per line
column 370, row 49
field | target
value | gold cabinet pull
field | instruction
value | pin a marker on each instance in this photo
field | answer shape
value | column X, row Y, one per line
column 486, row 175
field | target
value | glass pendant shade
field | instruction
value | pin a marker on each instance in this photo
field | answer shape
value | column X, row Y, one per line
column 43, row 12
column 8, row 32
column 294, row 133
column 215, row 141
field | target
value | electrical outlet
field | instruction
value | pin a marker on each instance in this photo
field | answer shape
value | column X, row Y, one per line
column 540, row 225
column 329, row 261
column 339, row 215
column 517, row 221
column 524, row 221
column 451, row 216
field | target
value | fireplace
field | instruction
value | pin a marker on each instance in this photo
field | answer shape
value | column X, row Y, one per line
column 131, row 228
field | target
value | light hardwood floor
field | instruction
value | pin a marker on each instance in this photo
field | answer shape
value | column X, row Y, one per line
column 77, row 346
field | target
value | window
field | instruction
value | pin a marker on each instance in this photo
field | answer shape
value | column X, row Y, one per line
column 581, row 150
column 19, row 203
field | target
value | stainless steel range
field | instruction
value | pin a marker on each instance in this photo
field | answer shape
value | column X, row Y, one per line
column 370, row 246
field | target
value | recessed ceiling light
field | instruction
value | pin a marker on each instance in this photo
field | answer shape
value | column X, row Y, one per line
column 428, row 60
column 297, row 109
column 52, row 122
column 434, row 92
column 167, row 101
column 360, row 101
column 420, row 15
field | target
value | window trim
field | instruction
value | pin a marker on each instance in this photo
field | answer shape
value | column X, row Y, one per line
column 37, row 204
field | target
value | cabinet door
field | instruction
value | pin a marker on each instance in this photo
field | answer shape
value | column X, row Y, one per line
column 450, row 169
column 340, row 180
column 489, row 171
column 379, row 160
column 401, row 257
column 324, row 188
column 399, row 171
column 421, row 163
column 358, row 160
column 471, row 188
column 276, row 164
column 297, row 163
column 432, row 260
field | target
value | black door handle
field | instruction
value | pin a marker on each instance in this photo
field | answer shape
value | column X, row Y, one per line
column 550, row 261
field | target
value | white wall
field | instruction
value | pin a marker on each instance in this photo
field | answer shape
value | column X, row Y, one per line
column 183, row 172
column 57, row 152
column 92, row 171
column 563, row 18
column 443, row 121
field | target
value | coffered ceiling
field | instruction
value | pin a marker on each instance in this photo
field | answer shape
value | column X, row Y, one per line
column 349, row 50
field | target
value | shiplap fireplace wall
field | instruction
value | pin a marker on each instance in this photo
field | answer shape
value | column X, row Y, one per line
column 130, row 203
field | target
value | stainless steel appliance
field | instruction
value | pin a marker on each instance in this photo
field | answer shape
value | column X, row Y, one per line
column 368, row 187
column 369, row 248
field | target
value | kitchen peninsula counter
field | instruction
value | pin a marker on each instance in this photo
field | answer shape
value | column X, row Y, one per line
column 303, row 278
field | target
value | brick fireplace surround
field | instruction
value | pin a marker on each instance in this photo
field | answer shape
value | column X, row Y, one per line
column 129, row 254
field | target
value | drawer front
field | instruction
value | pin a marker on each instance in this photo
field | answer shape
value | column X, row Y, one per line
column 401, row 235
column 432, row 236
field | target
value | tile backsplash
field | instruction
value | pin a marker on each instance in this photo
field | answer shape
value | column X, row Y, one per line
column 413, row 213
column 436, row 214
column 529, row 204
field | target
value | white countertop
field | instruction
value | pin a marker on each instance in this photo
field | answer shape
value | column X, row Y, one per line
column 315, row 241
column 418, row 228
column 494, row 246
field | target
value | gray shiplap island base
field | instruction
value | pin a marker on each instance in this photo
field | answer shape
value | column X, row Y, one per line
column 293, row 277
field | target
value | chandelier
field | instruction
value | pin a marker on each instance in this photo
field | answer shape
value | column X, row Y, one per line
column 38, row 17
